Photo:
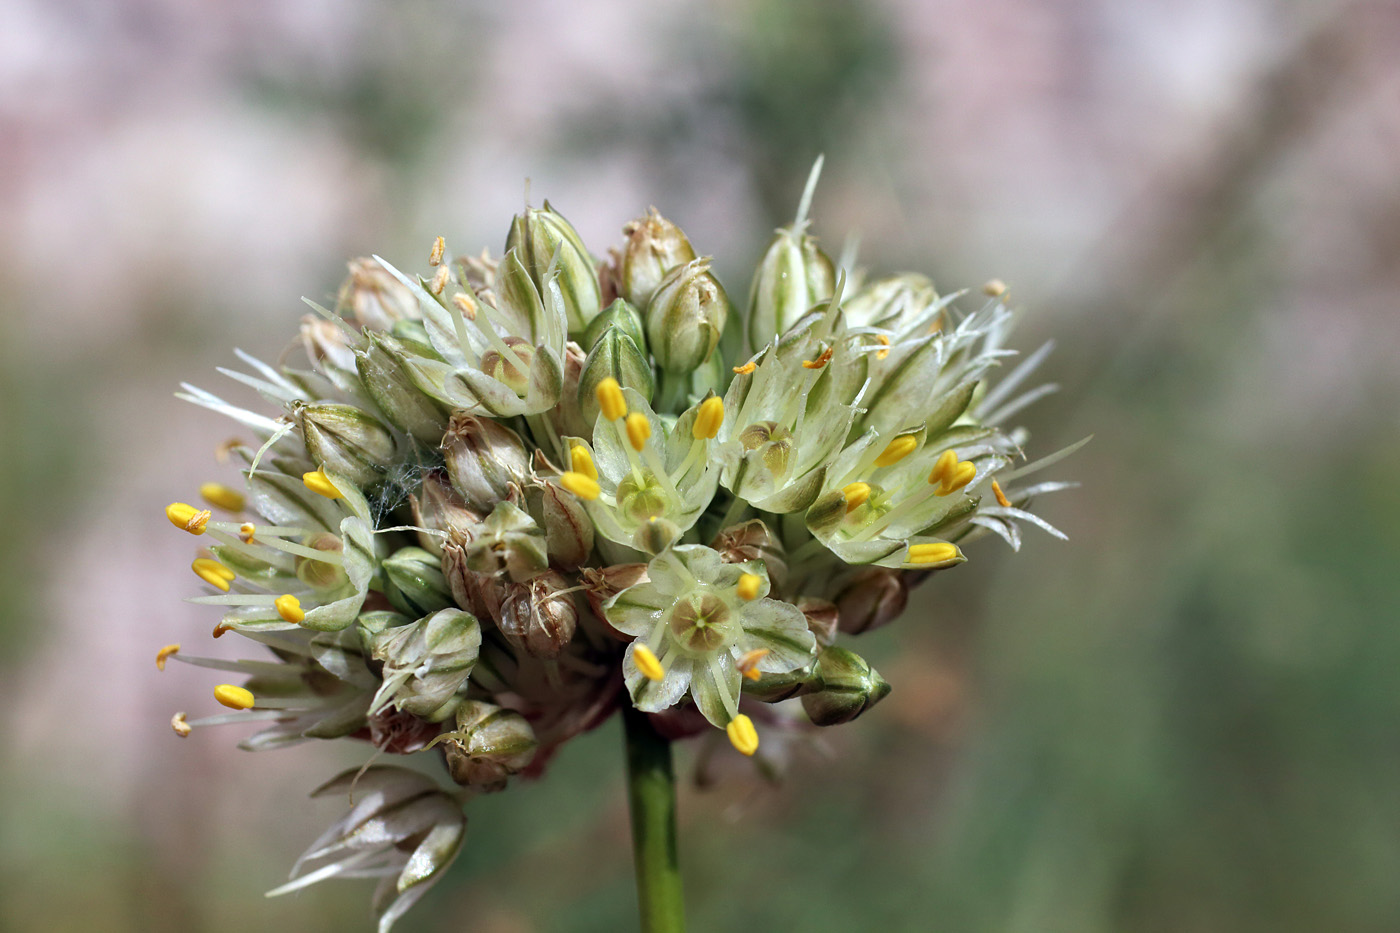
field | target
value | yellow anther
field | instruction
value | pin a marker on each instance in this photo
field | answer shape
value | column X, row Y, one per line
column 708, row 419
column 820, row 361
column 994, row 288
column 943, row 468
column 182, row 728
column 747, row 368
column 749, row 586
column 585, row 487
column 439, row 247
column 896, row 450
column 439, row 280
column 742, row 735
column 212, row 572
column 164, row 653
column 581, row 461
column 463, row 303
column 188, row 518
column 234, row 697
column 638, row 430
column 222, row 629
column 647, row 662
column 610, row 399
column 222, row 497
column 933, row 552
column 222, row 452
column 289, row 608
column 748, row 664
column 245, row 532
column 1001, row 496
column 884, row 343
column 963, row 474
column 856, row 494
column 318, row 482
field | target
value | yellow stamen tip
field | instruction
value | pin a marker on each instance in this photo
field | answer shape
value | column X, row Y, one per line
column 995, row 288
column 462, row 302
column 222, row 497
column 213, row 572
column 182, row 728
column 289, row 608
column 610, row 399
column 188, row 518
column 933, row 552
column 962, row 475
column 708, row 419
column 638, row 430
column 856, row 494
column 318, row 482
column 748, row 664
column 439, row 247
column 742, row 735
column 581, row 461
column 245, row 532
column 647, row 662
column 1001, row 496
column 896, row 450
column 164, row 653
column 943, row 467
column 439, row 280
column 750, row 584
column 582, row 486
column 884, row 342
column 820, row 361
column 234, row 697
column 746, row 368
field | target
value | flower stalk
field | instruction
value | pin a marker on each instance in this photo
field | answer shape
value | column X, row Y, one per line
column 651, row 799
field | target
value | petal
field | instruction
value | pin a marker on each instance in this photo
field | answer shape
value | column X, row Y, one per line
column 652, row 696
column 782, row 629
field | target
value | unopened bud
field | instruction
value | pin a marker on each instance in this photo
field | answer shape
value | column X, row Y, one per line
column 873, row 597
column 890, row 301
column 537, row 616
column 568, row 531
column 437, row 507
column 508, row 540
column 462, row 581
column 655, row 246
column 398, row 398
column 686, row 317
column 821, row 618
column 325, row 344
column 426, row 662
column 484, row 458
column 488, row 745
column 793, row 275
column 539, row 236
column 346, row 441
column 414, row 582
column 614, row 356
column 655, row 535
column 622, row 315
column 752, row 540
column 602, row 583
column 849, row 687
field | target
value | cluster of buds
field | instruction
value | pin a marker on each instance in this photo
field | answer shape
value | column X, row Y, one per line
column 510, row 495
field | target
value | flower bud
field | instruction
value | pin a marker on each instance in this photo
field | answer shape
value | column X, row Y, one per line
column 437, row 507
column 400, row 733
column 888, row 302
column 462, row 581
column 325, row 344
column 537, row 236
column 568, row 532
column 849, row 687
column 414, row 582
column 603, row 583
column 389, row 387
column 508, row 540
column 374, row 298
column 774, row 688
column 655, row 535
column 614, row 356
column 566, row 418
column 753, row 541
column 488, row 745
column 620, row 314
column 537, row 616
column 484, row 458
column 655, row 246
column 370, row 624
column 346, row 441
column 686, row 316
column 821, row 618
column 426, row 662
column 793, row 276
column 873, row 597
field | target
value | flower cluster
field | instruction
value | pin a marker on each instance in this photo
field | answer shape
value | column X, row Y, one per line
column 502, row 499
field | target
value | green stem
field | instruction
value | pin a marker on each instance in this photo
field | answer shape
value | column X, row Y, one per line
column 651, row 795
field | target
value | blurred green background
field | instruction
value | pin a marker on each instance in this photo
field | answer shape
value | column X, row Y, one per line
column 1185, row 719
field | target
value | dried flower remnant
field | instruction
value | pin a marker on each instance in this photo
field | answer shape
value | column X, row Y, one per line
column 506, row 497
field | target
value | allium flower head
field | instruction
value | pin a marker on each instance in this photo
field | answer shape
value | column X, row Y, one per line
column 500, row 500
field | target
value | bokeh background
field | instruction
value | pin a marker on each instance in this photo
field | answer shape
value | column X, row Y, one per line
column 1185, row 719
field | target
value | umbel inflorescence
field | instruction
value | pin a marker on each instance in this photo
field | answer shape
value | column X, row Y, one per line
column 504, row 499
